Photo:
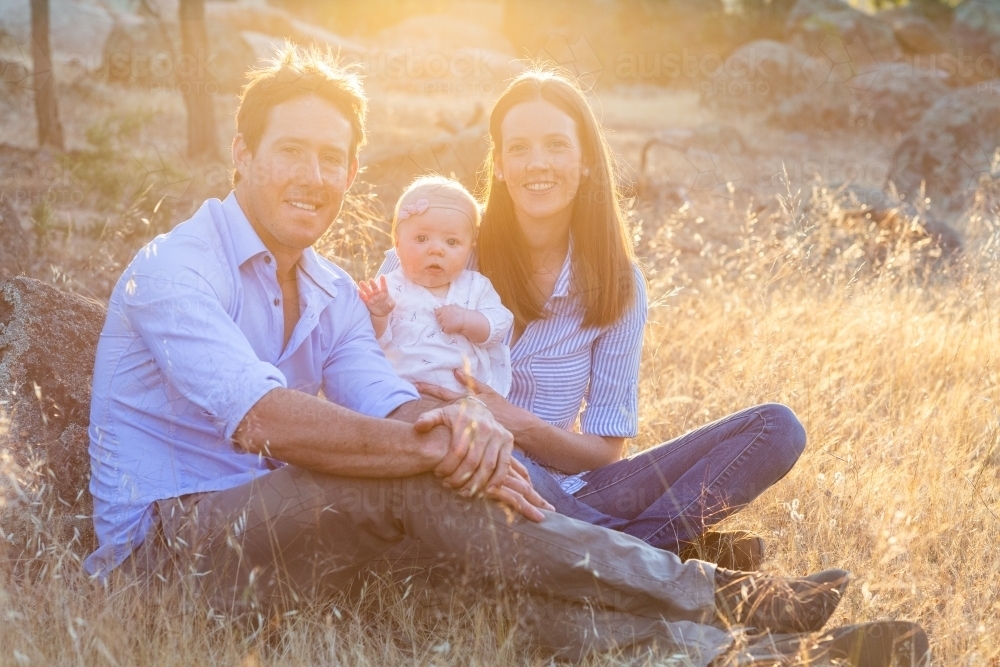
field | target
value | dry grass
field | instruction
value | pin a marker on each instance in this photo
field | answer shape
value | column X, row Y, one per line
column 893, row 371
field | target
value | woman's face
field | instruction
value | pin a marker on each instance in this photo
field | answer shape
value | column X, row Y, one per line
column 540, row 160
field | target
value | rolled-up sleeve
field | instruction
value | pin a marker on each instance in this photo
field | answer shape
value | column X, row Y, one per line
column 201, row 353
column 613, row 396
column 357, row 375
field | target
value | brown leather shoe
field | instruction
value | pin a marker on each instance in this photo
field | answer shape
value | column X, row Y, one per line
column 734, row 550
column 779, row 604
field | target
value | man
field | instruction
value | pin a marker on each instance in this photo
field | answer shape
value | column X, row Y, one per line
column 214, row 459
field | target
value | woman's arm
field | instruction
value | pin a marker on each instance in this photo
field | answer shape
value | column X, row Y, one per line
column 563, row 450
column 612, row 402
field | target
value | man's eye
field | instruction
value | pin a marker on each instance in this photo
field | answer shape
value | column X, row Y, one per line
column 332, row 159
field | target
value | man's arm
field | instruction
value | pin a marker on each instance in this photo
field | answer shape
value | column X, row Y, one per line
column 314, row 433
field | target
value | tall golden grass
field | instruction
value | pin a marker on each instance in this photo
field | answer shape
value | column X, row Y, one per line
column 892, row 369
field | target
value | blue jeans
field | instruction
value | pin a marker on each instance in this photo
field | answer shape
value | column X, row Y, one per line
column 671, row 494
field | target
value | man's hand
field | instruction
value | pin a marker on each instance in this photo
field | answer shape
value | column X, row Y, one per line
column 375, row 295
column 479, row 456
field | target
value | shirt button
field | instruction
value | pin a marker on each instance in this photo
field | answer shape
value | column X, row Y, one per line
column 277, row 301
column 267, row 259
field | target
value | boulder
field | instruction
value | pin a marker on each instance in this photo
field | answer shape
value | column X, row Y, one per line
column 145, row 51
column 450, row 154
column 897, row 219
column 918, row 35
column 16, row 244
column 48, row 340
column 976, row 27
column 78, row 28
column 813, row 24
column 951, row 148
column 759, row 75
column 831, row 89
column 893, row 96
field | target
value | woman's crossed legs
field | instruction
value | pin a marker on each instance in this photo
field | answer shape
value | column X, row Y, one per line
column 668, row 496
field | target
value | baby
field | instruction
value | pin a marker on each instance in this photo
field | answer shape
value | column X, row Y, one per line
column 432, row 315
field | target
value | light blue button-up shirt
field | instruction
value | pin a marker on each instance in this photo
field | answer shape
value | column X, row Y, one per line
column 192, row 341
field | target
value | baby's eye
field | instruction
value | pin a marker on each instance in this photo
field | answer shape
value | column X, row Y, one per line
column 421, row 238
column 452, row 242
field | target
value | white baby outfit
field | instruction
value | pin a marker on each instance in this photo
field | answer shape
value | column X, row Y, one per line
column 421, row 352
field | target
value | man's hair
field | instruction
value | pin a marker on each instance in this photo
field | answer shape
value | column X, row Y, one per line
column 296, row 72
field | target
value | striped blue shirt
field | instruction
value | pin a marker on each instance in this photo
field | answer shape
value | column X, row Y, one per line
column 577, row 378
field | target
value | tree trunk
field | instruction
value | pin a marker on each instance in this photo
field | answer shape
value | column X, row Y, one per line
column 196, row 82
column 50, row 132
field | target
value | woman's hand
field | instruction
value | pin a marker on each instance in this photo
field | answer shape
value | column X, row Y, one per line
column 518, row 494
column 507, row 414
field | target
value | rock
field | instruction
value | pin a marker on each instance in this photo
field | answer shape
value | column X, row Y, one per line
column 918, row 35
column 16, row 244
column 977, row 27
column 759, row 75
column 827, row 26
column 893, row 96
column 951, row 147
column 48, row 340
column 830, row 90
column 897, row 218
column 242, row 17
column 78, row 28
column 139, row 51
column 460, row 155
column 145, row 51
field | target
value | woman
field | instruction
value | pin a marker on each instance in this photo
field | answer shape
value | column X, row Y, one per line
column 555, row 245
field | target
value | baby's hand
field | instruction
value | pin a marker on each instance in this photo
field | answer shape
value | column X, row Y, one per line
column 375, row 294
column 452, row 318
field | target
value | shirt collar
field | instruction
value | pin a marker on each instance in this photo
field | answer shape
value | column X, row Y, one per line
column 248, row 245
column 242, row 235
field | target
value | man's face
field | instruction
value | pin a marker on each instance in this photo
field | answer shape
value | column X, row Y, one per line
column 293, row 185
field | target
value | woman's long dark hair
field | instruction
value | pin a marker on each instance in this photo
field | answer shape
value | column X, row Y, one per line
column 602, row 261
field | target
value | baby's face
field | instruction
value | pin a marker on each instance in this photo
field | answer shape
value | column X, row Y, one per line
column 433, row 247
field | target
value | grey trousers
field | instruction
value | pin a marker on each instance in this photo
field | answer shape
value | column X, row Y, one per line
column 293, row 537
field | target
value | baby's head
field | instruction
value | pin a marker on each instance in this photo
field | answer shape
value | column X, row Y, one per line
column 433, row 230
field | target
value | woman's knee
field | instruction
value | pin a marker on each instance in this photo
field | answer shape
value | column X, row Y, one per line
column 787, row 431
